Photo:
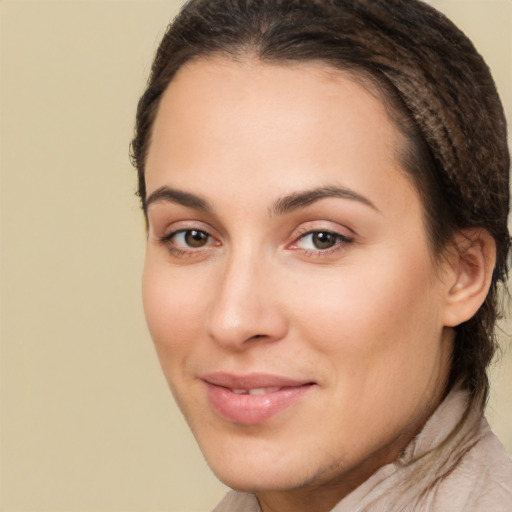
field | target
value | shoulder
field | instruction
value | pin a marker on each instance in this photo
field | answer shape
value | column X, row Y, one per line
column 482, row 479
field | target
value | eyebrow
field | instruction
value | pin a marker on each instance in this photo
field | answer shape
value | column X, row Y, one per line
column 178, row 196
column 302, row 199
column 283, row 205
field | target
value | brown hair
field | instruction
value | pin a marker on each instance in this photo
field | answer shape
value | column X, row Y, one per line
column 437, row 87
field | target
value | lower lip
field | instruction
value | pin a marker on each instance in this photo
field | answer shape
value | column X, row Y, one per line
column 253, row 409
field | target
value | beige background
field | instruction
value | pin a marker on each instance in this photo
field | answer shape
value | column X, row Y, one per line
column 87, row 422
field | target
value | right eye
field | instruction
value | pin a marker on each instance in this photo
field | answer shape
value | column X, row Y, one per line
column 186, row 239
column 192, row 238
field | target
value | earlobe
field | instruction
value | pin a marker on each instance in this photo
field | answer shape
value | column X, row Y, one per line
column 472, row 264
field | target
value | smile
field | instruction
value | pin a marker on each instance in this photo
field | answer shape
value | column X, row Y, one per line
column 252, row 399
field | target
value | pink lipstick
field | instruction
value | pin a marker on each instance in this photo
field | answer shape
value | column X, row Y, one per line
column 254, row 398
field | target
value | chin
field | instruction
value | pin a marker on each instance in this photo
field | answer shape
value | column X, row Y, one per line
column 263, row 470
column 260, row 480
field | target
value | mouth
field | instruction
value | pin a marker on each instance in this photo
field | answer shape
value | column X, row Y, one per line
column 255, row 398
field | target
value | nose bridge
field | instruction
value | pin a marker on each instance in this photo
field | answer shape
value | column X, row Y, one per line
column 244, row 306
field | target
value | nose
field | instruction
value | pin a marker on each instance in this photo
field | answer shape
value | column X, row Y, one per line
column 245, row 307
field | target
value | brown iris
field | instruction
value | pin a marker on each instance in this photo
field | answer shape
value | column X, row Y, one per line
column 195, row 238
column 324, row 239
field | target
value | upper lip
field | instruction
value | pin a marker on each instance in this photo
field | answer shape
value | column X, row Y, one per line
column 252, row 380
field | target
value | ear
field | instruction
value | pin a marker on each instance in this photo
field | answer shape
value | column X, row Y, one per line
column 471, row 262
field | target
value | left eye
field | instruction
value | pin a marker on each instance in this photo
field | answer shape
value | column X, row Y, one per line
column 320, row 240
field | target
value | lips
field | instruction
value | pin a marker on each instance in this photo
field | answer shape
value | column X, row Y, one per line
column 252, row 399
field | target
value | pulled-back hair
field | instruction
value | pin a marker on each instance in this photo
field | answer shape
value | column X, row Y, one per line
column 437, row 88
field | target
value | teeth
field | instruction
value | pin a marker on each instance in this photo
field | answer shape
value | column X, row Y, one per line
column 258, row 391
column 255, row 391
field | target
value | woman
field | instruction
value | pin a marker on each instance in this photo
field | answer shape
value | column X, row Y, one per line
column 325, row 184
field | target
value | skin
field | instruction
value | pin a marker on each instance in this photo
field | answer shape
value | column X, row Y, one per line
column 367, row 320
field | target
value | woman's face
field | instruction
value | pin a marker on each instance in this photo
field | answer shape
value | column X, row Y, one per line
column 288, row 286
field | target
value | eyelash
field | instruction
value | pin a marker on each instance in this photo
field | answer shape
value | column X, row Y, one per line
column 341, row 241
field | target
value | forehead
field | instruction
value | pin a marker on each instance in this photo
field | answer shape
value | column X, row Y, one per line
column 239, row 121
column 302, row 88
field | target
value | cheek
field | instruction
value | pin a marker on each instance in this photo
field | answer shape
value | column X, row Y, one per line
column 172, row 305
column 376, row 336
column 368, row 318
